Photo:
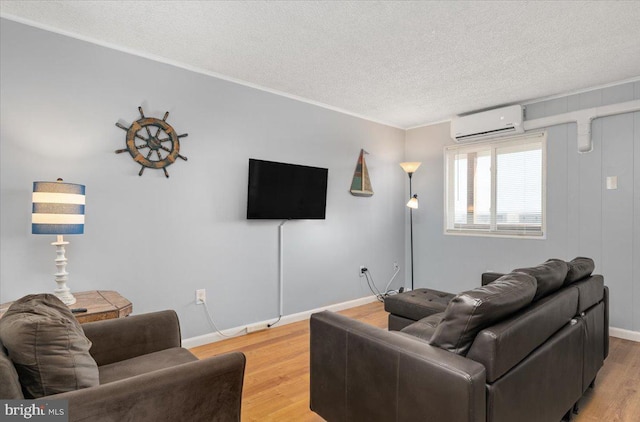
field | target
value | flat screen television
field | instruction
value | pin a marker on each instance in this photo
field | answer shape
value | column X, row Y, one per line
column 286, row 191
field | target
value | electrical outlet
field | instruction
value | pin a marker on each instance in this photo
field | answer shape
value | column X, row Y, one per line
column 396, row 267
column 362, row 270
column 201, row 296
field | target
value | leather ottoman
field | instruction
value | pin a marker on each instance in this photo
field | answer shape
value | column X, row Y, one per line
column 408, row 307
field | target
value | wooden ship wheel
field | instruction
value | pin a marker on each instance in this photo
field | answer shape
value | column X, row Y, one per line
column 157, row 150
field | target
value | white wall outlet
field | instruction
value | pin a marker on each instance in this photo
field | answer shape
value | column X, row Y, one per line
column 396, row 267
column 612, row 182
column 361, row 270
column 201, row 296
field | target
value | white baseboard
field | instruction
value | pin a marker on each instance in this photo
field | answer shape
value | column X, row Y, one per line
column 286, row 319
column 300, row 316
column 624, row 334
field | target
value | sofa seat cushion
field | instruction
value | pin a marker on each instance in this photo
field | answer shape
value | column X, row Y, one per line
column 47, row 346
column 145, row 363
column 397, row 323
column 417, row 304
column 579, row 268
column 471, row 311
column 550, row 276
column 425, row 327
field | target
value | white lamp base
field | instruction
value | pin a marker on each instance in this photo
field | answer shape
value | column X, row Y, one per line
column 65, row 296
column 62, row 292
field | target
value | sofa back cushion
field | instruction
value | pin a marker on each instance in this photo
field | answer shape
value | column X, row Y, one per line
column 47, row 346
column 550, row 276
column 579, row 268
column 471, row 311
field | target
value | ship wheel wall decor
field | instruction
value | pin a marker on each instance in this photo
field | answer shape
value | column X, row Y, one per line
column 163, row 144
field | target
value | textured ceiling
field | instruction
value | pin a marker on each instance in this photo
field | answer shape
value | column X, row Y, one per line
column 401, row 63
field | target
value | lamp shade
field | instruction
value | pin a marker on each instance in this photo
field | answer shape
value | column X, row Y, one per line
column 58, row 208
column 410, row 167
column 413, row 202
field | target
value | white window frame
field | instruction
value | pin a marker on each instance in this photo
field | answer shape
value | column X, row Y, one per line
column 492, row 230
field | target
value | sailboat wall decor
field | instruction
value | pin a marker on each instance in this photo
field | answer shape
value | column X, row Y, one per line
column 361, row 184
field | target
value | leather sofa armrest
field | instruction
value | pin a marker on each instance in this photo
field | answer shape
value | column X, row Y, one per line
column 204, row 390
column 118, row 339
column 361, row 372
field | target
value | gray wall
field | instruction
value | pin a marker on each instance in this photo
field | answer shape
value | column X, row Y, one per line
column 583, row 218
column 156, row 240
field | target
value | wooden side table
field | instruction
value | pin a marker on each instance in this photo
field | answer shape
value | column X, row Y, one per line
column 100, row 304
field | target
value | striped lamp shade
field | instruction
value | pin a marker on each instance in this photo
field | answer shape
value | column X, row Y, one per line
column 58, row 208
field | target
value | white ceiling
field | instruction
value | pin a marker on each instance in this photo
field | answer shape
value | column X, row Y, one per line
column 401, row 63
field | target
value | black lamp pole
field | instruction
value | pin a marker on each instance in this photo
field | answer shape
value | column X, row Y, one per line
column 410, row 168
column 411, row 228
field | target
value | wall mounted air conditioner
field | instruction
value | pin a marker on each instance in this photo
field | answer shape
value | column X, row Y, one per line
column 487, row 124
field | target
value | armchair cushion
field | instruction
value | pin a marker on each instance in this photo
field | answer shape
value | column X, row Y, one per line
column 146, row 363
column 47, row 346
column 203, row 390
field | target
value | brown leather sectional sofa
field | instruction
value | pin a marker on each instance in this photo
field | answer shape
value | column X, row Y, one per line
column 523, row 347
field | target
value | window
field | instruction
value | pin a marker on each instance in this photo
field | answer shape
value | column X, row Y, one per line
column 497, row 188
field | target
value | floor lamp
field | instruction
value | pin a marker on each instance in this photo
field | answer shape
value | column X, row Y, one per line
column 58, row 208
column 410, row 168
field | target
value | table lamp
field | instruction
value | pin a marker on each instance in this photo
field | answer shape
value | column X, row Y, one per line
column 58, row 208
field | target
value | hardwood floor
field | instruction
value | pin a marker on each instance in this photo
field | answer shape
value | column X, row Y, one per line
column 616, row 396
column 276, row 384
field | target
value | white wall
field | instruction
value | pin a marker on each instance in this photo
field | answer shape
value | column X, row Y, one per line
column 583, row 218
column 156, row 240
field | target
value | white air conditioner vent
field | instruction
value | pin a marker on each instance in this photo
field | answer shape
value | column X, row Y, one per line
column 487, row 124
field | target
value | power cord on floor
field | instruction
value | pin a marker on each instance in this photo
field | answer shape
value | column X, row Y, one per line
column 274, row 323
column 374, row 289
column 206, row 309
column 372, row 285
column 386, row 289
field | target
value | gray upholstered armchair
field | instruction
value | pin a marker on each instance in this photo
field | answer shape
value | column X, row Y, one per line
column 144, row 375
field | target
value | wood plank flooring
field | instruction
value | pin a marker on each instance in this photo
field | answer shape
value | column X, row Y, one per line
column 276, row 384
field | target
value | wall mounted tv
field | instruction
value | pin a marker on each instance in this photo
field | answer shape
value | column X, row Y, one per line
column 286, row 191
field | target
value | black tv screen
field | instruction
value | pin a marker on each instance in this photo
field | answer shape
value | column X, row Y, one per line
column 286, row 191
